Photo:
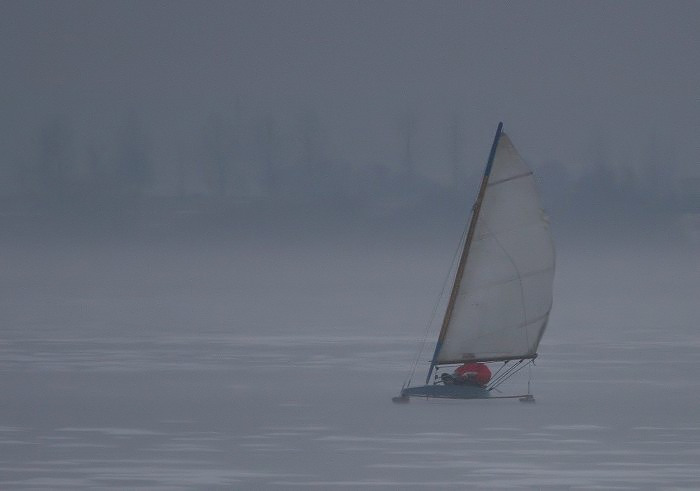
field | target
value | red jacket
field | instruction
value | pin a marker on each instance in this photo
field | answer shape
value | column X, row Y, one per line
column 479, row 372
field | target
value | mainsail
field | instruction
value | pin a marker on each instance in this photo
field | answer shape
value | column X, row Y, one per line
column 502, row 294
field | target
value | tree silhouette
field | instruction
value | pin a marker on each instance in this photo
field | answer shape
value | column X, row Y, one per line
column 268, row 141
column 457, row 129
column 216, row 155
column 55, row 148
column 407, row 130
column 133, row 173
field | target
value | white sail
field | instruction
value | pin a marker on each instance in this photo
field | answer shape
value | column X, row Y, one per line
column 505, row 294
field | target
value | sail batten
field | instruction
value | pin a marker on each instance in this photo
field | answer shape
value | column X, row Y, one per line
column 502, row 294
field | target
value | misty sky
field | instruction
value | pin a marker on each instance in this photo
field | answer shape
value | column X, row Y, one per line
column 566, row 78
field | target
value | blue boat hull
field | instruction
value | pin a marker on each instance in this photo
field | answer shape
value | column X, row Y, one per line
column 447, row 392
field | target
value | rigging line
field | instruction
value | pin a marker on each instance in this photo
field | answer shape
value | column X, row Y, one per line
column 495, row 375
column 496, row 381
column 505, row 376
column 421, row 347
column 513, row 373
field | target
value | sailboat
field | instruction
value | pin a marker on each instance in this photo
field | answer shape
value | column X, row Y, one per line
column 502, row 291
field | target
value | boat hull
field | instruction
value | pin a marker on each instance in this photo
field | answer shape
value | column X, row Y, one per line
column 447, row 392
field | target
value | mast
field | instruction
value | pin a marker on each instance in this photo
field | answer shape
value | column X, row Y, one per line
column 465, row 252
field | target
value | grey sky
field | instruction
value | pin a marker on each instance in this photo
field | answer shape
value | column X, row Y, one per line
column 565, row 77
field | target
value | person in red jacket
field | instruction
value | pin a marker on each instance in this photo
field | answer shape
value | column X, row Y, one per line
column 470, row 373
column 477, row 373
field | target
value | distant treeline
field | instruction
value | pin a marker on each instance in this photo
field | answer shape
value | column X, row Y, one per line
column 226, row 162
column 231, row 162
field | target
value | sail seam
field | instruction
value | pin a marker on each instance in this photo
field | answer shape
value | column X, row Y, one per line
column 505, row 282
column 520, row 282
column 501, row 181
column 520, row 226
column 525, row 323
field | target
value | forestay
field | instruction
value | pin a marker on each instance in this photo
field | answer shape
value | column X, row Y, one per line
column 504, row 295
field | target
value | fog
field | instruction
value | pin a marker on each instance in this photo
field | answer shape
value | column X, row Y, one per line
column 226, row 227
